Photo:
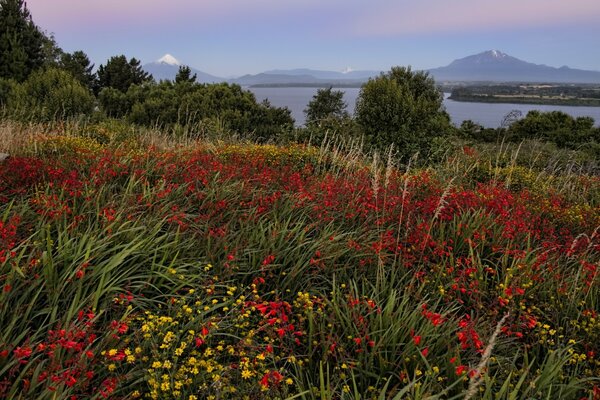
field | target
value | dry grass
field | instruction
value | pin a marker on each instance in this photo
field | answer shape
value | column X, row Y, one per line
column 14, row 136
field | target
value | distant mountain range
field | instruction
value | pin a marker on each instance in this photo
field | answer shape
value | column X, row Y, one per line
column 489, row 66
column 166, row 68
column 493, row 65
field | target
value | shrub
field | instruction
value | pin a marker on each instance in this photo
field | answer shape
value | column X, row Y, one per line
column 403, row 108
column 49, row 95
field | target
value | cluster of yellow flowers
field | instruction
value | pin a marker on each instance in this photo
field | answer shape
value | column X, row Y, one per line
column 65, row 144
column 219, row 342
column 272, row 153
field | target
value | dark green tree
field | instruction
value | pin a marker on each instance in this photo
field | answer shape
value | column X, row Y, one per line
column 79, row 65
column 327, row 103
column 184, row 75
column 402, row 107
column 554, row 126
column 21, row 42
column 118, row 73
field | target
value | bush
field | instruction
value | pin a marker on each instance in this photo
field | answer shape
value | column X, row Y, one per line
column 49, row 95
column 6, row 87
column 556, row 127
column 326, row 104
column 189, row 106
column 403, row 108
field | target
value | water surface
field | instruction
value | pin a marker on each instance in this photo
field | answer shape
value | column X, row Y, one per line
column 489, row 115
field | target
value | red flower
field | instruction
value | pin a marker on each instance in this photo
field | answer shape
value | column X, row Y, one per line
column 461, row 369
column 269, row 260
column 417, row 339
column 265, row 380
column 22, row 352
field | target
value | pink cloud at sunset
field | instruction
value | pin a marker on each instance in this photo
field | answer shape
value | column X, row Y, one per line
column 435, row 16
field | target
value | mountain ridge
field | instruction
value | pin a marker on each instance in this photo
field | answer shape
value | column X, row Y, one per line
column 166, row 68
column 496, row 66
column 487, row 66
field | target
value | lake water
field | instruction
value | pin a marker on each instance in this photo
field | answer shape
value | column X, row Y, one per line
column 489, row 115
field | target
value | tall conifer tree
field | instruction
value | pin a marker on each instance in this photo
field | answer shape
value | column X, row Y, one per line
column 21, row 42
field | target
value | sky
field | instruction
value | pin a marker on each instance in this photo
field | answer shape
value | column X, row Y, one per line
column 235, row 37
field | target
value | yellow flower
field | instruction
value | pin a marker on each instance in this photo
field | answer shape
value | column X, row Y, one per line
column 246, row 374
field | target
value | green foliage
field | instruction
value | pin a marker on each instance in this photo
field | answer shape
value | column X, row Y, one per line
column 21, row 42
column 120, row 74
column 114, row 103
column 327, row 103
column 49, row 95
column 79, row 65
column 184, row 75
column 342, row 131
column 193, row 106
column 51, row 51
column 472, row 131
column 403, row 108
column 6, row 87
column 555, row 127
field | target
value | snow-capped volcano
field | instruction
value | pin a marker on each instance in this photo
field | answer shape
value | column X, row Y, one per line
column 494, row 65
column 168, row 59
column 166, row 68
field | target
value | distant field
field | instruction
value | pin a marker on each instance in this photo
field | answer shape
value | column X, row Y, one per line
column 530, row 94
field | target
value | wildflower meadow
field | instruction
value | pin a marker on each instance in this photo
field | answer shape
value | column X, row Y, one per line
column 143, row 268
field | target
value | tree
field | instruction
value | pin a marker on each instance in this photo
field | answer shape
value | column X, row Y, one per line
column 404, row 108
column 555, row 126
column 327, row 103
column 118, row 73
column 184, row 75
column 21, row 42
column 51, row 51
column 49, row 95
column 79, row 65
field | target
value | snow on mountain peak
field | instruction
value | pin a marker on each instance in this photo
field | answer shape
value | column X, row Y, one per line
column 497, row 54
column 347, row 70
column 169, row 59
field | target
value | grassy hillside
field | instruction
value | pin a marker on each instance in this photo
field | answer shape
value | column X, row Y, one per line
column 139, row 266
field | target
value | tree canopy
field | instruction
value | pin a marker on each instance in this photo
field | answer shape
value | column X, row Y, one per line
column 327, row 103
column 120, row 74
column 21, row 42
column 79, row 65
column 184, row 75
column 402, row 107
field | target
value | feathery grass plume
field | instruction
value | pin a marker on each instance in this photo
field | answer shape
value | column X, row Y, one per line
column 476, row 379
column 389, row 166
column 375, row 174
column 442, row 202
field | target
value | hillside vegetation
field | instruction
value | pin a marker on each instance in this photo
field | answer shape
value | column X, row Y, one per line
column 138, row 266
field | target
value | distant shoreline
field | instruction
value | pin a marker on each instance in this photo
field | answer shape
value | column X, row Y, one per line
column 521, row 100
column 308, row 85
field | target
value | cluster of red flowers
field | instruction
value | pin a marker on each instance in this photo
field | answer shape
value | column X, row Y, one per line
column 67, row 357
